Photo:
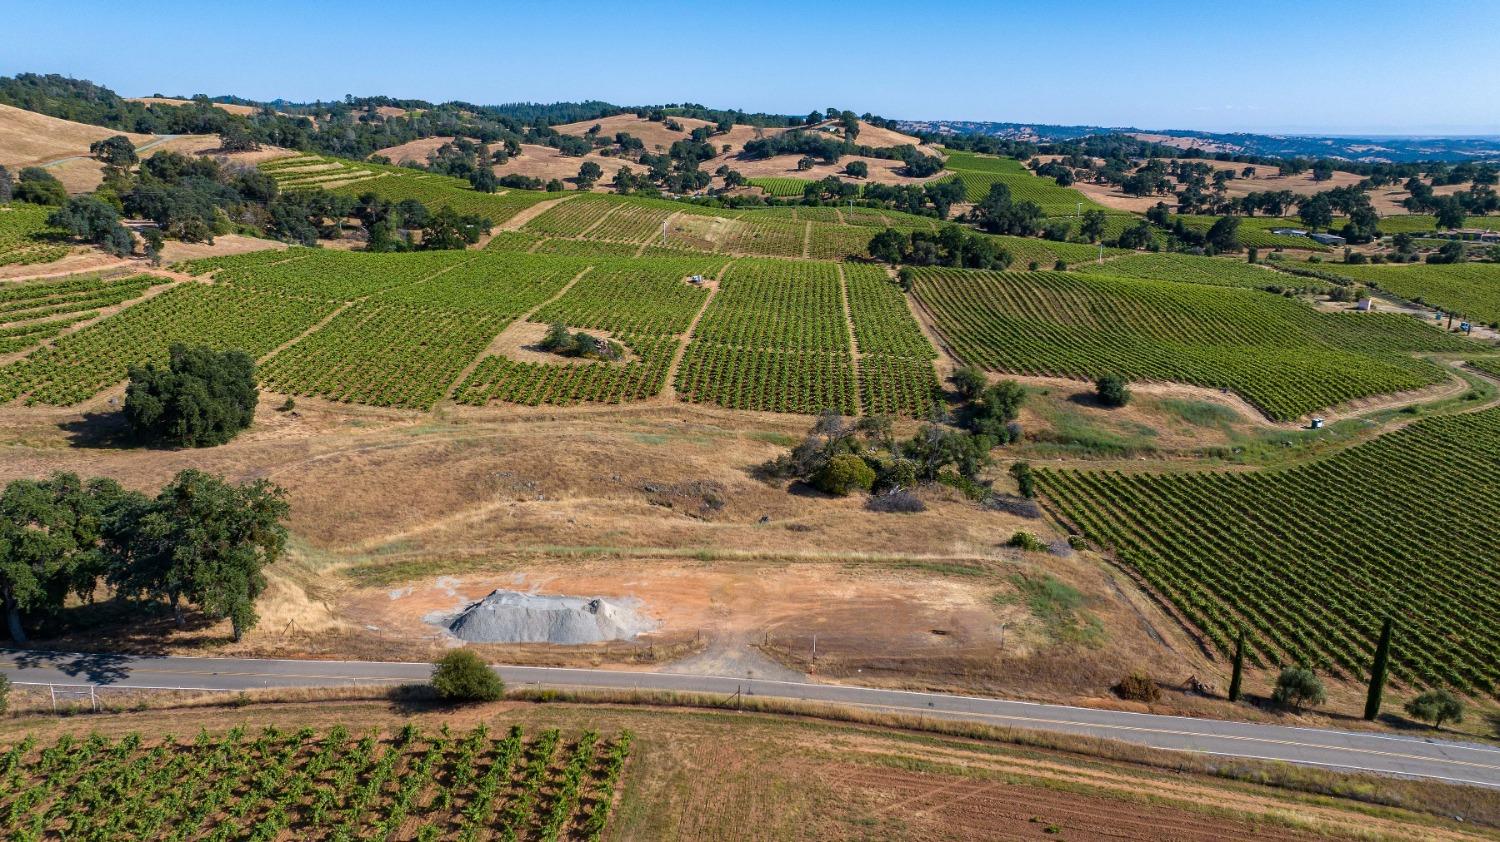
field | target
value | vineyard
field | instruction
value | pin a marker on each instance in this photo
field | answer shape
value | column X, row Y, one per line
column 79, row 365
column 896, row 376
column 979, row 172
column 646, row 305
column 774, row 338
column 1187, row 268
column 326, row 274
column 1472, row 289
column 1310, row 560
column 396, row 184
column 781, row 188
column 1255, row 231
column 1488, row 365
column 303, row 784
column 25, row 236
column 33, row 312
column 1285, row 358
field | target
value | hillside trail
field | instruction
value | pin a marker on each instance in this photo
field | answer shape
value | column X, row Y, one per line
column 151, row 144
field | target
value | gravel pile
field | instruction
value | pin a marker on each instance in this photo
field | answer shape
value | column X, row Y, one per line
column 515, row 617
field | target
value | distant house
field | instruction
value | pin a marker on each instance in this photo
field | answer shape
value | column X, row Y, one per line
column 1327, row 239
column 1289, row 232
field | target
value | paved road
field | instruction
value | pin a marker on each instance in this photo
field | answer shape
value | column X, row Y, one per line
column 1344, row 750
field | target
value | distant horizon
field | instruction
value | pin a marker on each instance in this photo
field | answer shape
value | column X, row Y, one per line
column 1341, row 69
column 1273, row 132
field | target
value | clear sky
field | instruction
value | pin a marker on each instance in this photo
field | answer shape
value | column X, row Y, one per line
column 1407, row 67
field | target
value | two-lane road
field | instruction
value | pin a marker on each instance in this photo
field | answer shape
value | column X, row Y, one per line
column 1343, row 750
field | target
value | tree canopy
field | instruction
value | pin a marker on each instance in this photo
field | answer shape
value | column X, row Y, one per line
column 201, row 399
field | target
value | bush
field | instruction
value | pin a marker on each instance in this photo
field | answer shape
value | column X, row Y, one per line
column 462, row 676
column 844, row 473
column 1297, row 687
column 969, row 381
column 1026, row 541
column 1112, row 390
column 896, row 474
column 1078, row 542
column 201, row 399
column 1138, row 687
column 896, row 501
column 4, row 693
column 1436, row 706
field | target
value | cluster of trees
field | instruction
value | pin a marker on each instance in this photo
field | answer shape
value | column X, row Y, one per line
column 950, row 246
column 1091, row 227
column 190, row 198
column 201, row 541
column 840, row 456
column 1452, row 210
column 1318, row 209
column 94, row 221
column 997, row 213
column 934, row 198
column 201, row 398
column 559, row 340
column 1222, row 236
column 34, row 185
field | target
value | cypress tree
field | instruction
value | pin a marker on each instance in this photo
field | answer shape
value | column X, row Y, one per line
column 1377, row 671
column 1239, row 668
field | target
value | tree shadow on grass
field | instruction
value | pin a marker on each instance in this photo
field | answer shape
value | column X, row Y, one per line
column 100, row 430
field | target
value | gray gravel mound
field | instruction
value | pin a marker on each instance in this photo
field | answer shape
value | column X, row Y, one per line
column 515, row 617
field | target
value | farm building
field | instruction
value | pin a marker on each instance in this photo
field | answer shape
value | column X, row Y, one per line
column 1327, row 239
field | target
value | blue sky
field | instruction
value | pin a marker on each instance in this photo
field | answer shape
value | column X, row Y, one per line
column 1269, row 66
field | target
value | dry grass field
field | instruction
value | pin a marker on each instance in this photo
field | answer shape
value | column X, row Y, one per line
column 242, row 110
column 397, row 515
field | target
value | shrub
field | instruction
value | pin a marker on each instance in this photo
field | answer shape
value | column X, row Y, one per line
column 844, row 473
column 969, row 381
column 1112, row 390
column 1026, row 541
column 1436, row 706
column 1138, row 687
column 201, row 399
column 4, row 693
column 1078, row 542
column 462, row 676
column 898, row 501
column 895, row 474
column 1297, row 687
